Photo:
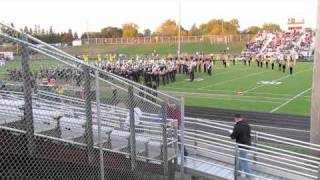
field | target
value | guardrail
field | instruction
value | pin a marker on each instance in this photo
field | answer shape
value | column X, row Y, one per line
column 203, row 136
column 267, row 150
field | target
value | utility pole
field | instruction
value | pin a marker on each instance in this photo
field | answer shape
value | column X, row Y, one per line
column 87, row 27
column 179, row 29
column 315, row 99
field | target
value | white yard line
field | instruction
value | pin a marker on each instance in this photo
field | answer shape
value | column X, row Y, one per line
column 230, row 80
column 206, row 95
column 284, row 77
column 204, row 75
column 287, row 102
column 217, row 91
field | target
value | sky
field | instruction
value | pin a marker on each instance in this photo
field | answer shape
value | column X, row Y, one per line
column 92, row 15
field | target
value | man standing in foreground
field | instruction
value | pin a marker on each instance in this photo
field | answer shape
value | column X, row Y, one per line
column 241, row 133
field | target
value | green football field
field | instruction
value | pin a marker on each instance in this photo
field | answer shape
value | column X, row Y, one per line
column 262, row 89
column 163, row 48
column 249, row 88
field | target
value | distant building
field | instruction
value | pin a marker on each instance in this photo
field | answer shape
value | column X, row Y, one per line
column 6, row 56
column 76, row 43
column 295, row 25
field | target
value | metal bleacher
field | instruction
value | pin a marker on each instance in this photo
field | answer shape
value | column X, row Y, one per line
column 66, row 121
column 210, row 150
column 61, row 122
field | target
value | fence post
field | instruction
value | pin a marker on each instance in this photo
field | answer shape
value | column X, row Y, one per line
column 182, row 140
column 255, row 141
column 27, row 90
column 132, row 129
column 164, row 139
column 236, row 162
column 99, row 124
column 88, row 98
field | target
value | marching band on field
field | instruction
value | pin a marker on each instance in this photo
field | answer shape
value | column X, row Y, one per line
column 157, row 71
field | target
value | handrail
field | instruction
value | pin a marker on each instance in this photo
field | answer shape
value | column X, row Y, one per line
column 291, row 152
column 288, row 139
column 209, row 150
column 279, row 168
column 275, row 155
column 231, row 169
column 252, row 147
column 209, row 143
column 70, row 57
column 42, row 50
column 250, row 174
column 207, row 124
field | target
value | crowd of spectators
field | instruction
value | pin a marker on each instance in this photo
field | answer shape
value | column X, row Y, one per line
column 293, row 43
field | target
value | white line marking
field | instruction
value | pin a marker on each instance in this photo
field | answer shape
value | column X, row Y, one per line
column 287, row 102
column 282, row 78
column 229, row 97
column 172, row 89
column 223, row 82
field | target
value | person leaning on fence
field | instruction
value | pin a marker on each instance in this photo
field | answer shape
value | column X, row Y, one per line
column 174, row 113
column 242, row 134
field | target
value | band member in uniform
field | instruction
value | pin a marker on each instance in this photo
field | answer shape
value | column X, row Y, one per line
column 195, row 61
column 267, row 61
column 291, row 62
column 280, row 63
column 210, row 67
column 191, row 71
column 163, row 76
column 204, row 66
column 253, row 59
column 283, row 65
column 272, row 62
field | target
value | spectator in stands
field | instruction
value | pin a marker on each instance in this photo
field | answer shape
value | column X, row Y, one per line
column 242, row 134
column 174, row 113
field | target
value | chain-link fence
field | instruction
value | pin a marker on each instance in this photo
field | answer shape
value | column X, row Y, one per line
column 171, row 39
column 64, row 119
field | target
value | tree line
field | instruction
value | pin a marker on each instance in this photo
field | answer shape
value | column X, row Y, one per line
column 171, row 28
column 167, row 28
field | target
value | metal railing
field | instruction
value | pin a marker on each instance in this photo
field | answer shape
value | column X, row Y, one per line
column 171, row 39
column 85, row 120
column 267, row 150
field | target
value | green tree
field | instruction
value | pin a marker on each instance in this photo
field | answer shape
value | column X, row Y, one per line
column 252, row 30
column 147, row 33
column 271, row 27
column 194, row 31
column 75, row 36
column 219, row 26
column 111, row 32
column 170, row 28
column 26, row 29
column 130, row 30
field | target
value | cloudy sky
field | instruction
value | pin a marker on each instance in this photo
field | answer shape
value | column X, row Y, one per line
column 81, row 15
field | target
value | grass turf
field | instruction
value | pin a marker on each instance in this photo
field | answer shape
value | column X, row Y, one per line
column 220, row 90
column 162, row 49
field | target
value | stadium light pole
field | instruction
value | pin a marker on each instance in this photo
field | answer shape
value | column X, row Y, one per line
column 87, row 27
column 179, row 29
column 315, row 101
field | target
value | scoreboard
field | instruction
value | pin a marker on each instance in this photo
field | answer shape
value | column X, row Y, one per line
column 294, row 24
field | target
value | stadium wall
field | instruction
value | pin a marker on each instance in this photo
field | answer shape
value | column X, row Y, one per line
column 170, row 39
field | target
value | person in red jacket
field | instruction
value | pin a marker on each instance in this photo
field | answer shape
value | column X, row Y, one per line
column 174, row 113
